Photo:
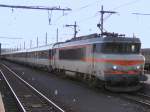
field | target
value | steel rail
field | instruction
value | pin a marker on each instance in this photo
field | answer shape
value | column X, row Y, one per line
column 137, row 99
column 143, row 95
column 23, row 109
column 42, row 95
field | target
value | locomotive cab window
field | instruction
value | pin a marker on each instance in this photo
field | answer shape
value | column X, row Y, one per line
column 117, row 48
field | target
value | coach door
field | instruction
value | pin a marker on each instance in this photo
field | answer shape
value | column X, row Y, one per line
column 98, row 67
column 50, row 57
column 93, row 60
column 53, row 58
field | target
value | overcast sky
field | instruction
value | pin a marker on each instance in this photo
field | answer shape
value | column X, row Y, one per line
column 30, row 24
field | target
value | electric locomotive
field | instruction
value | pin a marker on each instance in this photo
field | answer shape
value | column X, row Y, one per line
column 111, row 58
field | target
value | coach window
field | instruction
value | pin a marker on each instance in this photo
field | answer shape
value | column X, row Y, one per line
column 35, row 54
column 45, row 54
column 53, row 52
column 39, row 54
column 50, row 53
column 30, row 54
column 42, row 54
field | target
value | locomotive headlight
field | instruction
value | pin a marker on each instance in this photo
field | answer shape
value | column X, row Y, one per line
column 138, row 67
column 114, row 67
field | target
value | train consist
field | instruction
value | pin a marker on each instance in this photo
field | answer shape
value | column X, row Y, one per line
column 112, row 59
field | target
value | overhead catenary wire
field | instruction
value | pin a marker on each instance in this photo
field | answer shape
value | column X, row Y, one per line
column 120, row 6
column 76, row 10
column 141, row 14
column 12, row 7
column 10, row 37
column 91, row 4
column 88, row 18
column 35, row 7
column 126, row 4
column 84, row 7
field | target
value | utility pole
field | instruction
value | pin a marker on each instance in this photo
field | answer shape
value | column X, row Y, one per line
column 20, row 46
column 46, row 39
column 101, row 25
column 75, row 28
column 24, row 45
column 17, row 47
column 30, row 43
column 57, row 35
column 37, row 42
column 0, row 48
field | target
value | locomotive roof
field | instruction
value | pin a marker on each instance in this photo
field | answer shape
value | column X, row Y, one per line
column 95, row 38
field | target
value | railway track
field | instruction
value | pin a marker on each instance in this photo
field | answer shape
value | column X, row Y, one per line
column 28, row 98
column 139, row 98
column 8, row 98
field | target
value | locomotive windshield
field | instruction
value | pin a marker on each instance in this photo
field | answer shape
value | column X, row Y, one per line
column 129, row 48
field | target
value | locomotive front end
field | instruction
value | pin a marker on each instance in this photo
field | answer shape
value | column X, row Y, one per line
column 123, row 65
column 125, row 74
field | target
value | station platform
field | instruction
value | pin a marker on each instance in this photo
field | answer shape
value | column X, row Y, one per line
column 2, row 109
